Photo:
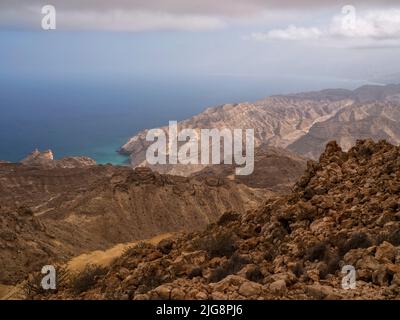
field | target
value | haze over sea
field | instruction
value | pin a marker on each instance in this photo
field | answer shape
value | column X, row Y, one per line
column 94, row 117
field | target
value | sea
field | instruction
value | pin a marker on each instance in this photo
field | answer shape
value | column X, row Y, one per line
column 95, row 116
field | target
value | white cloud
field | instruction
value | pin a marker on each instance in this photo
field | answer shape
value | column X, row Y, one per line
column 290, row 33
column 370, row 28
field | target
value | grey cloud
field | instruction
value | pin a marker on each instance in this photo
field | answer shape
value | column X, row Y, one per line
column 137, row 15
column 201, row 7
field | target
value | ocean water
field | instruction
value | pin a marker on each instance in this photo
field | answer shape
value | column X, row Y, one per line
column 94, row 116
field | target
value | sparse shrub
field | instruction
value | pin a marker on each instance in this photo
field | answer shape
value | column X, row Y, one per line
column 269, row 256
column 317, row 252
column 254, row 274
column 298, row 270
column 228, row 217
column 270, row 253
column 217, row 245
column 258, row 229
column 195, row 272
column 392, row 237
column 285, row 223
column 33, row 286
column 365, row 151
column 152, row 277
column 235, row 264
column 136, row 249
column 86, row 279
column 141, row 245
column 331, row 266
column 218, row 274
column 357, row 240
column 308, row 193
column 165, row 246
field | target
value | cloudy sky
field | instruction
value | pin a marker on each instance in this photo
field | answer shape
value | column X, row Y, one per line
column 322, row 38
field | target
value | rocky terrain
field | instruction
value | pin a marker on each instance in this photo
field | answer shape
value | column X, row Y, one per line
column 302, row 122
column 52, row 213
column 345, row 210
column 275, row 169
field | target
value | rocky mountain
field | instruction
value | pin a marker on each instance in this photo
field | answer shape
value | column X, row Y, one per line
column 379, row 120
column 364, row 94
column 302, row 122
column 51, row 213
column 278, row 121
column 345, row 210
column 46, row 159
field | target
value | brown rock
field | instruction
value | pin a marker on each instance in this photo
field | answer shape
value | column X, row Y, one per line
column 319, row 292
column 386, row 252
column 278, row 288
column 177, row 294
column 250, row 289
column 163, row 292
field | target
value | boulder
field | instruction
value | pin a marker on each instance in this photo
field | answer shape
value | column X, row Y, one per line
column 278, row 288
column 250, row 289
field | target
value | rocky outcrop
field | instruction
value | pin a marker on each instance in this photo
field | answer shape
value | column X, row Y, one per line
column 38, row 158
column 45, row 159
column 88, row 208
column 345, row 210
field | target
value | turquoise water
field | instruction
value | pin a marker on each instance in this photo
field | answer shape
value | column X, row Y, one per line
column 94, row 117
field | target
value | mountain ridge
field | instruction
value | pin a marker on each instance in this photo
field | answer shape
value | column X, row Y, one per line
column 51, row 214
column 285, row 121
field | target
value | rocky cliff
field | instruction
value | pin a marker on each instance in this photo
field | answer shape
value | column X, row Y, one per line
column 46, row 159
column 345, row 210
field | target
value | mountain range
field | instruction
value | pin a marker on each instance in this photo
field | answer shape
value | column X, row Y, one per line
column 302, row 122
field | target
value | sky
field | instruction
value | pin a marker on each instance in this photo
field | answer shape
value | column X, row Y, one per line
column 179, row 38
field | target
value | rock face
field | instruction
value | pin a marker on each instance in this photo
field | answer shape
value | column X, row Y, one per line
column 303, row 122
column 45, row 159
column 87, row 208
column 345, row 210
